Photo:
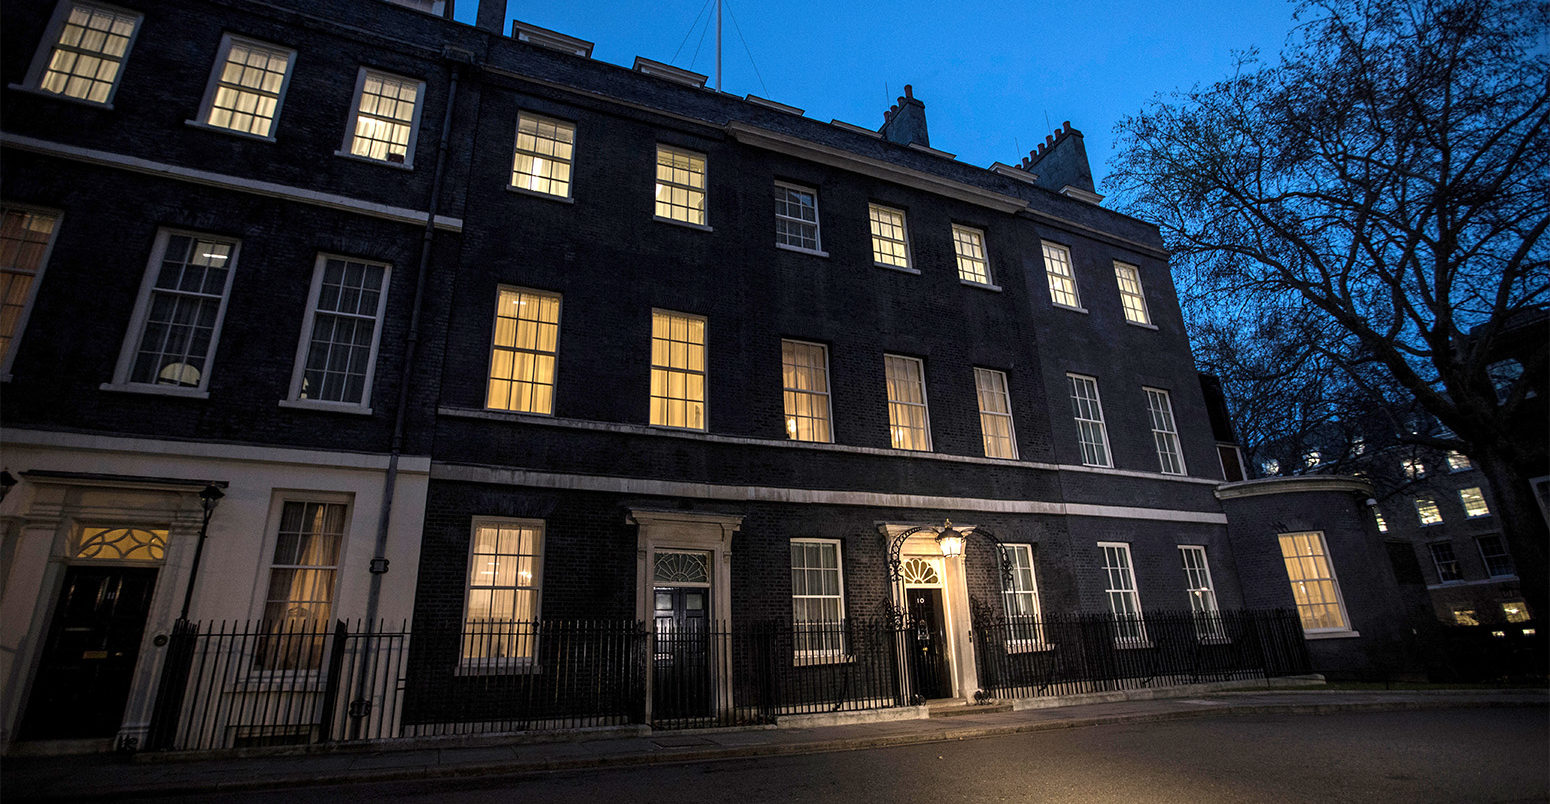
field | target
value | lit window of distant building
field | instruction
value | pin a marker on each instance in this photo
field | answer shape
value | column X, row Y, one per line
column 387, row 108
column 890, row 240
column 909, row 424
column 1465, row 616
column 1312, row 458
column 995, row 413
column 86, row 47
column 1446, row 562
column 1473, row 501
column 796, row 218
column 805, row 390
column 1515, row 611
column 677, row 370
column 1383, row 525
column 1358, row 446
column 1062, row 279
column 247, row 86
column 1413, row 468
column 1458, row 461
column 1426, row 510
column 522, row 354
column 1130, row 295
column 969, row 246
column 680, row 185
column 1314, row 587
column 543, row 154
column 1271, row 467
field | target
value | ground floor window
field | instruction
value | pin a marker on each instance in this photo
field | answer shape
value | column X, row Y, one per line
column 1202, row 594
column 817, row 598
column 298, row 609
column 504, row 574
column 1120, row 588
column 1314, row 587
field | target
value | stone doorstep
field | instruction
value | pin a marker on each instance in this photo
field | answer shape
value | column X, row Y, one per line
column 959, row 709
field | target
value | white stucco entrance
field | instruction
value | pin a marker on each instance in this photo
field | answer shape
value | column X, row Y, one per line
column 924, row 573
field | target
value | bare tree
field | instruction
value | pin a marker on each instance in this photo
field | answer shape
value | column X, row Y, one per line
column 1356, row 224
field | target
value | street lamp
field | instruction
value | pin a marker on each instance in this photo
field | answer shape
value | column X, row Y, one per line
column 949, row 541
column 208, row 498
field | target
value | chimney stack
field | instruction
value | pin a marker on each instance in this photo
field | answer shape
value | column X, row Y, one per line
column 905, row 122
column 491, row 16
column 1060, row 163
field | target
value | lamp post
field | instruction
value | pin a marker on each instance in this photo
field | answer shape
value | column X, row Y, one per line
column 208, row 497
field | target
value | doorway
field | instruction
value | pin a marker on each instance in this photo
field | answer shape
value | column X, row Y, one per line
column 928, row 639
column 682, row 678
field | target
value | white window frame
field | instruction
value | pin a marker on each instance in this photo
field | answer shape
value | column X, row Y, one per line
column 841, row 651
column 1115, row 591
column 788, row 392
column 122, row 379
column 982, row 390
column 703, row 191
column 537, row 351
column 669, row 370
column 1019, row 637
column 538, row 120
column 874, row 211
column 222, row 55
column 8, row 350
column 44, row 56
column 1334, row 581
column 262, row 588
column 1452, row 558
column 975, row 238
column 305, row 345
column 1479, row 499
column 1485, row 558
column 1202, row 593
column 1426, row 512
column 486, row 664
column 1132, row 300
column 1061, row 282
column 1165, row 431
column 1074, row 382
column 889, row 361
column 816, row 222
column 352, row 124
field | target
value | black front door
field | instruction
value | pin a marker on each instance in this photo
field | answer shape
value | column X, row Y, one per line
column 929, row 666
column 681, row 683
column 89, row 657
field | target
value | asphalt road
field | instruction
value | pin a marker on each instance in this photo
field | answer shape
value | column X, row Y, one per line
column 1450, row 755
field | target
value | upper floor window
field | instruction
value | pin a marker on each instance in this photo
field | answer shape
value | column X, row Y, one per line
column 890, row 241
column 1130, row 295
column 505, row 570
column 247, row 86
column 177, row 320
column 544, row 150
column 995, row 413
column 387, row 108
column 1120, row 589
column 86, row 46
column 677, row 370
column 1165, row 434
column 1494, row 554
column 969, row 246
column 1314, row 588
column 680, row 185
column 1087, row 409
column 1377, row 517
column 1446, row 562
column 1413, row 468
column 1458, row 461
column 909, row 426
column 338, row 352
column 1270, row 467
column 26, row 236
column 1312, row 458
column 1473, row 500
column 1202, row 594
column 1426, row 511
column 796, row 217
column 1020, row 598
column 805, row 388
column 1062, row 280
column 522, row 357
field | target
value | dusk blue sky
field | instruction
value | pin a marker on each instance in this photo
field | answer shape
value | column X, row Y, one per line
column 990, row 73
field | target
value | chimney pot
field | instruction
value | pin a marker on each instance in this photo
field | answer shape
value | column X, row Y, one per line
column 1066, row 126
column 909, row 92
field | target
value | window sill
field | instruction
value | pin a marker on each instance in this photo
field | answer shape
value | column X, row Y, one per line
column 1059, row 306
column 159, row 390
column 1477, row 516
column 1143, row 325
column 800, row 250
column 981, row 285
column 331, row 407
column 1099, row 465
column 43, row 93
column 519, row 412
column 233, row 132
column 1334, row 633
column 900, row 269
column 1029, row 647
column 406, row 165
column 686, row 224
column 1132, row 644
column 671, row 428
column 810, row 660
column 1213, row 640
column 1429, row 524
column 498, row 667
column 558, row 199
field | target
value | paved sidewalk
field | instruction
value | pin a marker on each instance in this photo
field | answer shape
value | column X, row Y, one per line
column 110, row 777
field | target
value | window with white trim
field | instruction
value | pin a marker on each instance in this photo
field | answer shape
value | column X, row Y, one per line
column 247, row 86
column 1493, row 552
column 26, row 237
column 384, row 124
column 1088, row 412
column 1130, row 295
column 909, row 424
column 1062, row 279
column 805, row 390
column 817, row 598
column 1314, row 588
column 677, row 370
column 995, row 413
column 84, row 51
column 544, row 155
column 1426, row 510
column 505, row 571
column 1165, row 432
column 969, row 248
column 1446, row 561
column 796, row 217
column 338, row 354
column 1458, row 461
column 680, row 185
column 1020, row 598
column 522, row 356
column 299, row 602
column 1202, row 593
column 177, row 320
column 1120, row 589
column 890, row 239
column 1473, row 500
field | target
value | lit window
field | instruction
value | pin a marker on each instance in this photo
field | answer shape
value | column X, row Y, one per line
column 177, row 321
column 1202, row 595
column 1165, row 434
column 522, row 359
column 1020, row 597
column 1062, row 280
column 1358, row 446
column 677, row 370
column 1426, row 510
column 1413, row 468
column 1474, row 502
column 26, row 236
column 247, row 86
column 1447, row 563
column 1271, row 467
column 1314, row 587
column 890, row 241
column 1458, row 461
column 796, row 217
column 338, row 352
column 1312, row 458
column 1120, row 588
column 1088, row 411
column 995, row 413
column 544, row 152
column 680, row 185
column 1130, row 295
column 88, row 47
column 969, row 245
column 805, row 384
column 505, row 565
column 1516, row 611
column 817, row 598
column 299, row 607
column 909, row 425
column 1383, row 525
column 1464, row 616
column 386, row 108
column 1494, row 553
